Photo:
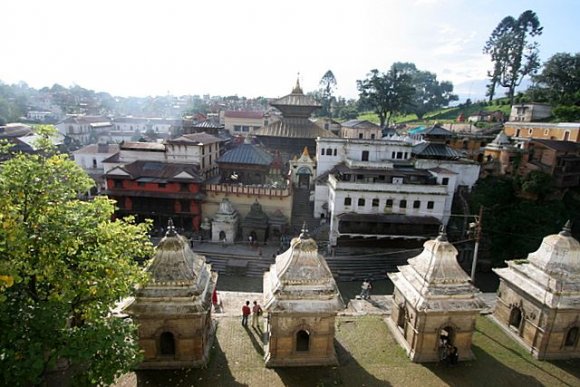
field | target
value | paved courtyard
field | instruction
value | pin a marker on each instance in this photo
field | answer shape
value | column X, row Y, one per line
column 368, row 356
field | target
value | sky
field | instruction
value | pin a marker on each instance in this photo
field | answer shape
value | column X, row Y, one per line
column 258, row 48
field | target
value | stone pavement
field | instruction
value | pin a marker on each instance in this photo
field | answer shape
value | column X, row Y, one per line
column 379, row 304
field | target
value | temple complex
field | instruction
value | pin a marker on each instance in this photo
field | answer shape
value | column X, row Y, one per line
column 434, row 304
column 294, row 130
column 538, row 300
column 173, row 310
column 302, row 300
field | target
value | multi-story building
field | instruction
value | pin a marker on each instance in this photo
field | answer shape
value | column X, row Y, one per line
column 90, row 158
column 201, row 149
column 370, row 189
column 361, row 129
column 547, row 131
column 530, row 112
column 158, row 190
column 83, row 129
column 246, row 122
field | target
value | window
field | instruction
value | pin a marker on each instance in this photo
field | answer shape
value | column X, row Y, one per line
column 118, row 183
column 245, row 128
column 162, row 185
column 392, row 155
column 302, row 341
column 141, row 183
column 361, row 202
column 328, row 151
column 335, row 152
column 401, row 317
column 167, row 344
column 515, row 318
column 445, row 181
column 389, row 203
column 430, row 204
column 326, row 126
column 403, row 204
column 399, row 155
column 322, row 152
column 360, row 136
column 365, row 155
column 347, row 201
column 571, row 337
column 406, row 156
column 184, row 205
column 184, row 187
column 375, row 202
column 372, row 136
column 417, row 204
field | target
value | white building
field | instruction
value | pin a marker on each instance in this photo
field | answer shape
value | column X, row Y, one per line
column 370, row 188
column 90, row 158
column 80, row 128
column 198, row 148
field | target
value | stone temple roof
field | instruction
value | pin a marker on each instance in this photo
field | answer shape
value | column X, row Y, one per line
column 248, row 154
column 434, row 281
column 179, row 277
column 551, row 274
column 300, row 281
column 294, row 127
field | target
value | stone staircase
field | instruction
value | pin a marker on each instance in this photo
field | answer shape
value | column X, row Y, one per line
column 302, row 211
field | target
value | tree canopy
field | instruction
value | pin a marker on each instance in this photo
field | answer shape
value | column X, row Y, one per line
column 430, row 94
column 327, row 85
column 386, row 93
column 512, row 54
column 63, row 265
column 559, row 81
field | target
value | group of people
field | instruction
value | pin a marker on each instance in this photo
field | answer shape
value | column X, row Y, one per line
column 255, row 311
column 448, row 352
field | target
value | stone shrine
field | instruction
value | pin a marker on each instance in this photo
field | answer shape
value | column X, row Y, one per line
column 434, row 304
column 538, row 300
column 255, row 224
column 224, row 227
column 302, row 300
column 173, row 310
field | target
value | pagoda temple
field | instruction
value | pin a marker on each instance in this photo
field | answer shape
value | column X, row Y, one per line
column 294, row 130
column 538, row 300
column 434, row 304
column 173, row 310
column 302, row 300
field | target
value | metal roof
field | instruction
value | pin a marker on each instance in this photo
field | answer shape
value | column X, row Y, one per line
column 362, row 124
column 195, row 139
column 293, row 127
column 428, row 149
column 247, row 154
column 161, row 172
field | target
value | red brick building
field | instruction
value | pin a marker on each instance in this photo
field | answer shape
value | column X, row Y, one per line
column 159, row 191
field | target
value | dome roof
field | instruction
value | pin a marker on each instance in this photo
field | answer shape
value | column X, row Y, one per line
column 558, row 255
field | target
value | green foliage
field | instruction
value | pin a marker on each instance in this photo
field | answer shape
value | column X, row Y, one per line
column 63, row 265
column 567, row 113
column 559, row 81
column 512, row 55
column 430, row 94
column 327, row 86
column 513, row 226
column 537, row 183
column 386, row 93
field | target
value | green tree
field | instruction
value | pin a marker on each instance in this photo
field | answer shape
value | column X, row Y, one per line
column 512, row 54
column 386, row 93
column 327, row 85
column 430, row 94
column 559, row 81
column 63, row 265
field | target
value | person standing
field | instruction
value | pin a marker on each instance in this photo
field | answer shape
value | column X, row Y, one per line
column 246, row 311
column 365, row 289
column 256, row 313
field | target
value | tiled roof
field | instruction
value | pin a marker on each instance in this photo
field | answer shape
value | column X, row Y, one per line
column 247, row 154
column 195, row 139
column 563, row 146
column 244, row 114
column 362, row 124
column 159, row 171
column 209, row 124
column 98, row 148
column 294, row 127
column 142, row 146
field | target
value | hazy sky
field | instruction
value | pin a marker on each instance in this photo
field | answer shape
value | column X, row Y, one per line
column 256, row 48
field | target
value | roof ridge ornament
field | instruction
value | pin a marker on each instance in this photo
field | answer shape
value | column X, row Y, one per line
column 442, row 237
column 304, row 232
column 567, row 229
column 170, row 229
column 297, row 89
